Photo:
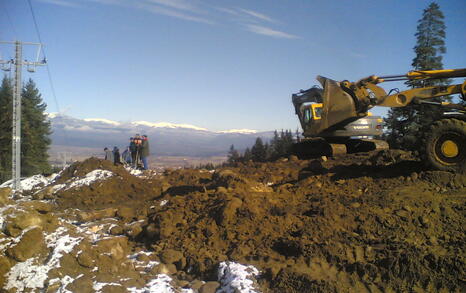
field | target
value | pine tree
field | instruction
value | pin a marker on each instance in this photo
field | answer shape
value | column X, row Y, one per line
column 247, row 156
column 258, row 151
column 233, row 155
column 404, row 124
column 35, row 131
column 6, row 96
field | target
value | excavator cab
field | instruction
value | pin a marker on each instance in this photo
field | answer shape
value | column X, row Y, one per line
column 331, row 125
column 320, row 116
column 311, row 112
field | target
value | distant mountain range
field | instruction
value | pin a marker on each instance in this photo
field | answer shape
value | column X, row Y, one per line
column 166, row 139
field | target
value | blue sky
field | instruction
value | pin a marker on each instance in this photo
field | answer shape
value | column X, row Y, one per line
column 212, row 63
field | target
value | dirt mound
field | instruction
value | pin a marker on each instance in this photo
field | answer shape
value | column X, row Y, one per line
column 364, row 222
column 97, row 184
column 371, row 224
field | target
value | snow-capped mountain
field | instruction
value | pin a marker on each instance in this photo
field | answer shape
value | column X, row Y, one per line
column 166, row 139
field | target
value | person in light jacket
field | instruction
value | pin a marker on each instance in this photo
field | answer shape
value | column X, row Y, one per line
column 108, row 155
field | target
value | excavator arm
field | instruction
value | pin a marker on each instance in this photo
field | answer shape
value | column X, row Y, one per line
column 406, row 97
column 346, row 100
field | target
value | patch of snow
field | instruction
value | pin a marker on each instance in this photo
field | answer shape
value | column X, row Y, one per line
column 57, row 187
column 90, row 177
column 97, row 286
column 133, row 171
column 163, row 202
column 29, row 274
column 106, row 121
column 65, row 281
column 168, row 125
column 242, row 131
column 4, row 243
column 237, row 278
column 161, row 284
column 32, row 182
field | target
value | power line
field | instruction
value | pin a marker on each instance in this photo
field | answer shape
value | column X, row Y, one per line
column 35, row 22
column 10, row 21
column 49, row 74
column 52, row 87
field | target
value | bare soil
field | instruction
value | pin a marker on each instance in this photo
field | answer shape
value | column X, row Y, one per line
column 375, row 222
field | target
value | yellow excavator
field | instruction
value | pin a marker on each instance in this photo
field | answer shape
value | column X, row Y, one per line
column 327, row 114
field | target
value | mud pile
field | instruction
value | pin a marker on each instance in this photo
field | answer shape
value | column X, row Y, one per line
column 372, row 222
column 362, row 223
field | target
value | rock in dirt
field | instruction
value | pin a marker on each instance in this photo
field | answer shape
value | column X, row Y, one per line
column 170, row 256
column 115, row 247
column 5, row 196
column 31, row 244
column 209, row 287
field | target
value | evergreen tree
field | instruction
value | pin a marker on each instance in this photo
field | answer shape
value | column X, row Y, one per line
column 247, row 156
column 258, row 151
column 405, row 123
column 268, row 152
column 281, row 144
column 233, row 155
column 35, row 129
column 6, row 95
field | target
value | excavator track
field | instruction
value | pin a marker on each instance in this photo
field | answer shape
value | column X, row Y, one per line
column 365, row 145
column 317, row 147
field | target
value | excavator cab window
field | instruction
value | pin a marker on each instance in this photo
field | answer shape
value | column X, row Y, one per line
column 307, row 115
column 312, row 111
column 317, row 111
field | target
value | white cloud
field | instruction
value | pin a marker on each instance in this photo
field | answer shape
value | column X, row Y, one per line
column 173, row 13
column 182, row 9
column 228, row 10
column 177, row 4
column 266, row 31
column 257, row 15
column 65, row 3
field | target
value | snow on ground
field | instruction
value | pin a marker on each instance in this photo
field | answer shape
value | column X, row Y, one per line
column 65, row 281
column 90, row 178
column 32, row 182
column 36, row 181
column 161, row 284
column 237, row 278
column 29, row 274
column 97, row 286
column 133, row 171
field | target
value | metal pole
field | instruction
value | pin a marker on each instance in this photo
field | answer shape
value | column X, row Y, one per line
column 16, row 141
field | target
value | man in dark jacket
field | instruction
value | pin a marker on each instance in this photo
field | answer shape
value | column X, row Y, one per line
column 145, row 151
column 116, row 156
column 134, row 151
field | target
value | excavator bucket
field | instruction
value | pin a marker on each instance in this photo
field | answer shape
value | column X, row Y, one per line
column 338, row 106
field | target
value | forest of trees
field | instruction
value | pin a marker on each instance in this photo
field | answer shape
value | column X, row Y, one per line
column 404, row 124
column 278, row 147
column 35, row 131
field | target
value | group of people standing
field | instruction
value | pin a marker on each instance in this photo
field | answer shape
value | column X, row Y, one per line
column 136, row 154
